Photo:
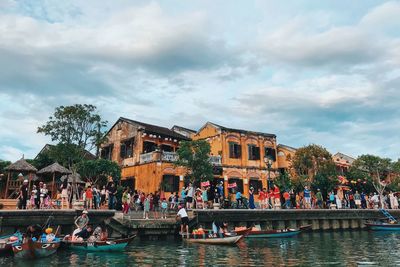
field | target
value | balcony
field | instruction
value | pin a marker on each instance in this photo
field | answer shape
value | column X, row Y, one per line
column 216, row 160
column 157, row 156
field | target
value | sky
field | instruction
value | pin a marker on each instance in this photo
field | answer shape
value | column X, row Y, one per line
column 324, row 72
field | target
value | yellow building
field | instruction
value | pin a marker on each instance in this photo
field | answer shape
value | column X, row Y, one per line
column 146, row 154
column 285, row 155
column 247, row 158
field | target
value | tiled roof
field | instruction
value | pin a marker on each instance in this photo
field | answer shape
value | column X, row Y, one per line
column 155, row 129
column 242, row 131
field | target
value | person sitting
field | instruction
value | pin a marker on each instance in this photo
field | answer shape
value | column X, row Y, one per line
column 82, row 235
column 34, row 232
column 100, row 233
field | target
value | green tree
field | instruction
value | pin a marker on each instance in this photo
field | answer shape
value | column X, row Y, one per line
column 195, row 157
column 284, row 181
column 97, row 171
column 78, row 125
column 3, row 172
column 311, row 160
column 326, row 179
column 380, row 172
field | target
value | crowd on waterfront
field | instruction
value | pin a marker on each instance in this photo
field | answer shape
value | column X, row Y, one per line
column 201, row 197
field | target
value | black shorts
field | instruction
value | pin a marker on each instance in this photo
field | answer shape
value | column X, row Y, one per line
column 189, row 199
column 185, row 221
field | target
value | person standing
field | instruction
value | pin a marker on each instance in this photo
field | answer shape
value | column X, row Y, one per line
column 146, row 207
column 111, row 195
column 357, row 200
column 89, row 197
column 164, row 208
column 23, row 194
column 320, row 199
column 261, row 198
column 156, row 204
column 277, row 197
column 182, row 214
column 286, row 197
column 126, row 199
column 189, row 197
column 307, row 198
column 363, row 200
column 64, row 194
column 252, row 206
column 103, row 194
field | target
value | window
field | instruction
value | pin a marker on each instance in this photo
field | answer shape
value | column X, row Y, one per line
column 256, row 184
column 254, row 152
column 239, row 184
column 167, row 148
column 106, row 152
column 128, row 182
column 126, row 149
column 170, row 183
column 234, row 150
column 149, row 147
column 270, row 153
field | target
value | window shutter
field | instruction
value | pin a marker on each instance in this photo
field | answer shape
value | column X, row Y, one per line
column 239, row 151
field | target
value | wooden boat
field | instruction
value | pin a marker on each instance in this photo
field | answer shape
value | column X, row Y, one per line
column 383, row 226
column 7, row 241
column 203, row 239
column 109, row 245
column 33, row 249
column 269, row 233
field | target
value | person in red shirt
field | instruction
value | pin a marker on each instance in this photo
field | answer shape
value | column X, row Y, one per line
column 286, row 196
column 277, row 197
column 89, row 197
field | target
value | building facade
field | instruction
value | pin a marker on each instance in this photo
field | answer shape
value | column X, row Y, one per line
column 245, row 158
column 146, row 154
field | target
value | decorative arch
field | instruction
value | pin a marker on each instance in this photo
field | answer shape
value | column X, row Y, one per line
column 233, row 174
column 232, row 137
column 253, row 174
column 268, row 143
column 281, row 154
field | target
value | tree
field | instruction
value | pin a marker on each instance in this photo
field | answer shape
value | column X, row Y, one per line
column 326, row 179
column 284, row 181
column 310, row 160
column 195, row 157
column 79, row 125
column 97, row 171
column 380, row 172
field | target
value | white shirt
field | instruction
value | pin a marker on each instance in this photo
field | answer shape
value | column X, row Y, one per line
column 190, row 192
column 182, row 213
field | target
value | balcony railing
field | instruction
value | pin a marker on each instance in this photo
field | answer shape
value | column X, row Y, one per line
column 216, row 160
column 169, row 156
column 147, row 157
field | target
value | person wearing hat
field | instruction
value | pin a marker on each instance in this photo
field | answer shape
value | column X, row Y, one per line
column 23, row 194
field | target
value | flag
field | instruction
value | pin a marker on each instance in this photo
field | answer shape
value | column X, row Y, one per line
column 205, row 184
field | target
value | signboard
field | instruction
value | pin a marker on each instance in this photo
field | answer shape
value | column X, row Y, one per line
column 232, row 185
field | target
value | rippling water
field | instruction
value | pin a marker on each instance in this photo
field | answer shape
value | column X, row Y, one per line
column 349, row 248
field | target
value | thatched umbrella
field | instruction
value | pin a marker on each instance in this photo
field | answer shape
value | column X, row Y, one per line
column 19, row 166
column 53, row 169
column 72, row 177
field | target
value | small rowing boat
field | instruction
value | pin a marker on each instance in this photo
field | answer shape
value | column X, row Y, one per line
column 269, row 233
column 211, row 240
column 7, row 241
column 97, row 246
column 382, row 226
column 33, row 249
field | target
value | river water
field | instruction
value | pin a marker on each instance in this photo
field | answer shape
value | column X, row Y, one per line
column 346, row 248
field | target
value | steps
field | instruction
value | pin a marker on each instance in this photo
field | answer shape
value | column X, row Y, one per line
column 9, row 204
column 388, row 215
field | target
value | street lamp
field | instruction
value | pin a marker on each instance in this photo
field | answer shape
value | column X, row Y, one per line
column 268, row 161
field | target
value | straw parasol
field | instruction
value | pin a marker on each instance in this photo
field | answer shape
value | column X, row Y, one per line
column 19, row 166
column 53, row 169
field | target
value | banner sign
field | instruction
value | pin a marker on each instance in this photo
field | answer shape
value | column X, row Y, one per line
column 232, row 185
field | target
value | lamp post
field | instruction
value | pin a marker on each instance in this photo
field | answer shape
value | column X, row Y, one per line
column 268, row 161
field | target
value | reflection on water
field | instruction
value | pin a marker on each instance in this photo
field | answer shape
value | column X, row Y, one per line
column 350, row 248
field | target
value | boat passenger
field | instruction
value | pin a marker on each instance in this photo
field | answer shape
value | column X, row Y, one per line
column 82, row 221
column 82, row 235
column 34, row 232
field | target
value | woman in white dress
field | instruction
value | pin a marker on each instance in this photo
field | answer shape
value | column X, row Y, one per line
column 338, row 202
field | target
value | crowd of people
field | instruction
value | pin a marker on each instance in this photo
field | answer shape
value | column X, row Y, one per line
column 158, row 203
